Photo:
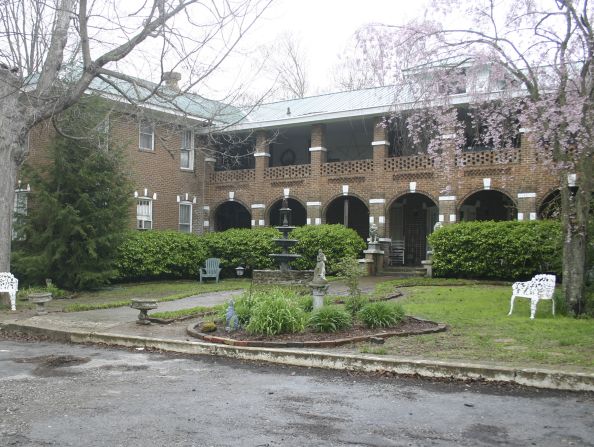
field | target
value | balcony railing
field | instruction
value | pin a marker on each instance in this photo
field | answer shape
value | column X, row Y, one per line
column 408, row 163
column 347, row 167
column 492, row 157
column 287, row 172
column 241, row 175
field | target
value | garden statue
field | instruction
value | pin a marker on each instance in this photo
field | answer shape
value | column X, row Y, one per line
column 437, row 226
column 320, row 270
column 373, row 236
column 231, row 318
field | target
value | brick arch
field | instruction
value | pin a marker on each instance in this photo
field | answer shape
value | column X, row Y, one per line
column 336, row 196
column 401, row 195
column 549, row 196
column 236, row 221
column 357, row 222
column 279, row 198
column 460, row 202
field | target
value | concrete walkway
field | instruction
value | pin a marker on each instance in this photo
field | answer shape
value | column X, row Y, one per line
column 118, row 327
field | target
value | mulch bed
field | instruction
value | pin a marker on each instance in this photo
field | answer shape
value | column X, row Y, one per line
column 309, row 339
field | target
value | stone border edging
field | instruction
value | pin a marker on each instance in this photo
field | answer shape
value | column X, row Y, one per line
column 533, row 377
column 439, row 327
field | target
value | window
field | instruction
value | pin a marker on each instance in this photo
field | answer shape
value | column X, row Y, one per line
column 187, row 150
column 19, row 213
column 185, row 217
column 146, row 138
column 144, row 214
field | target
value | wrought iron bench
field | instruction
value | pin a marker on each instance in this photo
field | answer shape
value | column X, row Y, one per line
column 8, row 283
column 541, row 287
column 211, row 269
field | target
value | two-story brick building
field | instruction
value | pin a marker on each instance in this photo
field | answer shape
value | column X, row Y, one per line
column 199, row 165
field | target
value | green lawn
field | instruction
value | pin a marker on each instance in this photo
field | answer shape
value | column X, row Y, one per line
column 480, row 330
column 120, row 295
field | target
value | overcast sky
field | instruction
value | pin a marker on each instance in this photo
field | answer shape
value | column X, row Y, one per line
column 323, row 27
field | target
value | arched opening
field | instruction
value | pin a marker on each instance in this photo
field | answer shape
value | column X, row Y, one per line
column 232, row 215
column 298, row 213
column 551, row 206
column 488, row 205
column 412, row 218
column 350, row 212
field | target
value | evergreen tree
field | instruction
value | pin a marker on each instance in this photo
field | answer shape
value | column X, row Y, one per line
column 80, row 206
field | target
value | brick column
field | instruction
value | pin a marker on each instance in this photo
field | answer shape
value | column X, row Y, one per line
column 377, row 215
column 262, row 155
column 314, row 213
column 527, row 206
column 257, row 210
column 206, row 222
column 447, row 210
column 317, row 150
column 380, row 146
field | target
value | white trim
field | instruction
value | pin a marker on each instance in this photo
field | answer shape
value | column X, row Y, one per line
column 532, row 216
column 441, row 218
column 210, row 160
column 313, row 203
column 486, row 183
column 318, row 220
column 525, row 129
column 206, row 223
column 345, row 190
column 286, row 192
column 385, row 239
column 452, row 218
column 379, row 143
column 261, row 222
column 206, row 208
column 308, row 221
column 253, row 223
column 261, row 154
column 526, row 195
column 447, row 198
column 520, row 216
column 231, row 195
column 371, row 219
column 185, row 203
column 382, row 219
column 258, row 206
column 412, row 186
column 372, row 201
column 448, row 136
column 317, row 149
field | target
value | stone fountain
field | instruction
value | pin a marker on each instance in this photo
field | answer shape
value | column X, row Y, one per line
column 285, row 274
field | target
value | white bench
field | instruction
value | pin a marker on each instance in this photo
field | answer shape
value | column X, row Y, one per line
column 8, row 283
column 541, row 287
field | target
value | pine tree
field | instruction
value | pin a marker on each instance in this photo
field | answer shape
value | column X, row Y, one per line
column 80, row 207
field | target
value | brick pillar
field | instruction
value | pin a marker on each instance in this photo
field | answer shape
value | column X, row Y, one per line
column 377, row 215
column 206, row 222
column 258, row 218
column 314, row 213
column 447, row 210
column 262, row 155
column 380, row 146
column 317, row 150
column 527, row 206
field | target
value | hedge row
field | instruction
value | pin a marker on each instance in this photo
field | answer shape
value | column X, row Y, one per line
column 497, row 250
column 170, row 254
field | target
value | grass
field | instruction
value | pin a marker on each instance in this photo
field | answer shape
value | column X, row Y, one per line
column 173, row 314
column 120, row 295
column 480, row 330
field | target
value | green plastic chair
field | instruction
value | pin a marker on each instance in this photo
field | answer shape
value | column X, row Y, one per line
column 211, row 269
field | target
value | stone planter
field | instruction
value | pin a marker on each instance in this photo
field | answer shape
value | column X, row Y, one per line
column 40, row 299
column 143, row 306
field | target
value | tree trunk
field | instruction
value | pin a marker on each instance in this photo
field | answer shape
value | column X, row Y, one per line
column 575, row 232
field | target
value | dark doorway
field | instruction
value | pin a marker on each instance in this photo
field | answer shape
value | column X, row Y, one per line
column 412, row 218
column 298, row 213
column 350, row 212
column 488, row 205
column 232, row 215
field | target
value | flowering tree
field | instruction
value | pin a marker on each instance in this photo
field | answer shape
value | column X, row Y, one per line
column 51, row 51
column 525, row 64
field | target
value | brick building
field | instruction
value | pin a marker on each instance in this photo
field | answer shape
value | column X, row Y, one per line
column 326, row 154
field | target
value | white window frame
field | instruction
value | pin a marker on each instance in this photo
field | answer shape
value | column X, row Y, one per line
column 146, row 125
column 189, row 224
column 189, row 148
column 143, row 219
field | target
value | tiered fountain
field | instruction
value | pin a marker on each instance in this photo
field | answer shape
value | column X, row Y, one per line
column 285, row 275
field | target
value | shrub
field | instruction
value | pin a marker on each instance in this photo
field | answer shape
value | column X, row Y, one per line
column 498, row 250
column 243, row 246
column 349, row 270
column 336, row 241
column 160, row 254
column 381, row 314
column 330, row 319
column 274, row 312
column 355, row 303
